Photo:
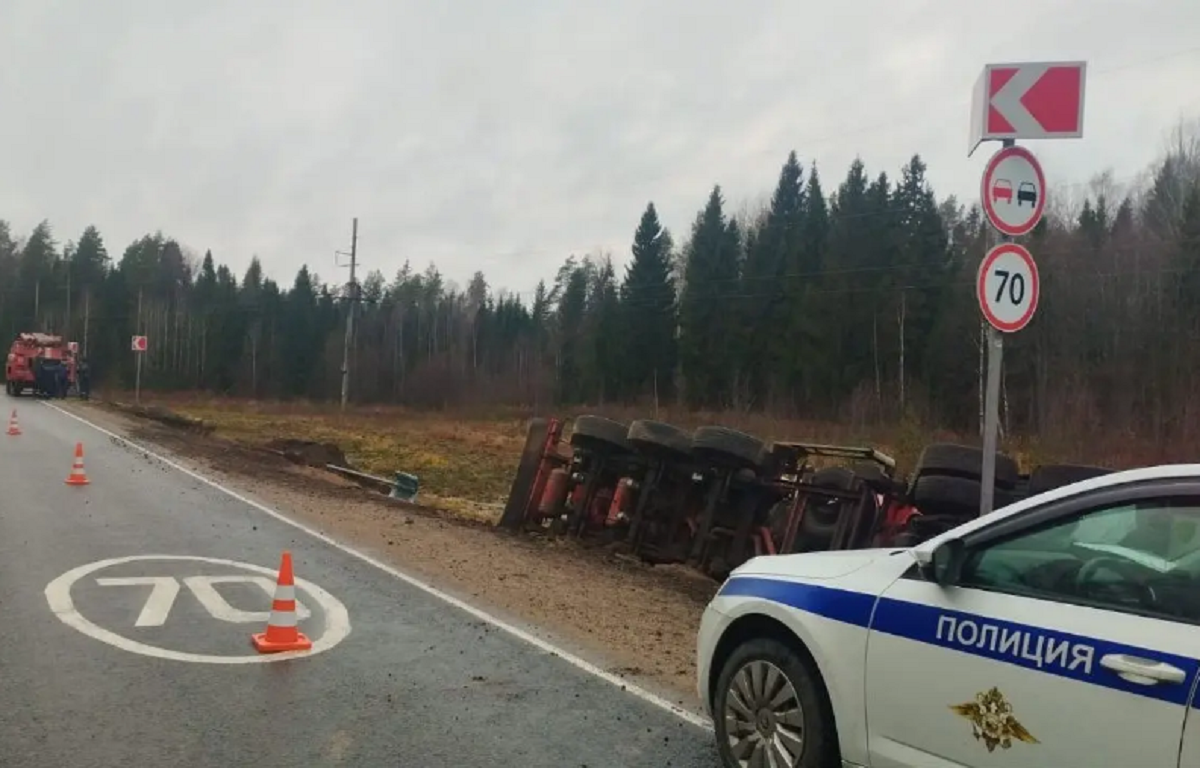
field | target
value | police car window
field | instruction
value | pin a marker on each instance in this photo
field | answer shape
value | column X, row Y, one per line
column 1142, row 558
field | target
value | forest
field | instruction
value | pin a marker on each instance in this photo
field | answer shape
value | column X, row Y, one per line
column 850, row 300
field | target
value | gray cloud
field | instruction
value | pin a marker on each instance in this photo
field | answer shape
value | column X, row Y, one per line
column 503, row 136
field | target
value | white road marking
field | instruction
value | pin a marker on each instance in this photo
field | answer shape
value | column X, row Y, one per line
column 58, row 595
column 158, row 604
column 219, row 608
column 544, row 645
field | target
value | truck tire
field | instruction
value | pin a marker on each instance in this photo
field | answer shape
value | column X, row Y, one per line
column 659, row 441
column 728, row 448
column 1052, row 476
column 797, row 688
column 600, row 435
column 964, row 461
column 939, row 495
column 821, row 513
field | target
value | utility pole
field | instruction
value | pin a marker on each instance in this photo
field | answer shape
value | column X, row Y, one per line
column 67, row 329
column 353, row 288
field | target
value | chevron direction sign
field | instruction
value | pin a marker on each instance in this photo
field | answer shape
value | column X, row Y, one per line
column 1030, row 100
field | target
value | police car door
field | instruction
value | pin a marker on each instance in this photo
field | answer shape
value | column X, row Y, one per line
column 1190, row 755
column 1045, row 646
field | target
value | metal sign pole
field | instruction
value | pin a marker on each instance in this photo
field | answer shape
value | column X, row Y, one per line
column 991, row 406
column 137, row 381
column 991, row 418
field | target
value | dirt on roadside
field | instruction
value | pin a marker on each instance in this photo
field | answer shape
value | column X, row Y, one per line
column 639, row 621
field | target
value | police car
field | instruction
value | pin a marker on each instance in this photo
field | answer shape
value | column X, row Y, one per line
column 1062, row 630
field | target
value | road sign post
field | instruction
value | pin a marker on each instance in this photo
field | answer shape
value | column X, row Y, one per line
column 139, row 345
column 1028, row 100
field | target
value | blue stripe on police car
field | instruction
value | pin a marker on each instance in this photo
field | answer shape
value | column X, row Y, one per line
column 1037, row 648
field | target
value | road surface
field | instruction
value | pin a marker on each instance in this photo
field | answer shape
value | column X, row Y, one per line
column 126, row 608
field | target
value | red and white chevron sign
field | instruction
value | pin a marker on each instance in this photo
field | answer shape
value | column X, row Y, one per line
column 1031, row 100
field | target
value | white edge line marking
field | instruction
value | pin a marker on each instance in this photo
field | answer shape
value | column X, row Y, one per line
column 58, row 595
column 579, row 663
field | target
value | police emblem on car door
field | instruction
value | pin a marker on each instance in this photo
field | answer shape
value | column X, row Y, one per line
column 992, row 720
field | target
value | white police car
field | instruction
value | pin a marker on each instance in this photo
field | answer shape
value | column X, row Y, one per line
column 1063, row 630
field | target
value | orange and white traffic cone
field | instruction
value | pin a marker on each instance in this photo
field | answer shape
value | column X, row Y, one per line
column 282, row 634
column 14, row 428
column 78, row 476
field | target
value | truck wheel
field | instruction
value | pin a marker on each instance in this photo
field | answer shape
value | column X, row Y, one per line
column 964, row 461
column 821, row 512
column 769, row 708
column 661, row 441
column 599, row 435
column 954, row 496
column 728, row 447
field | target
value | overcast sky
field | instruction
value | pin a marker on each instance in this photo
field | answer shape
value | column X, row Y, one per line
column 503, row 136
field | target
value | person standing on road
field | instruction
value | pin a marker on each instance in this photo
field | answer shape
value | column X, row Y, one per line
column 83, row 378
column 63, row 384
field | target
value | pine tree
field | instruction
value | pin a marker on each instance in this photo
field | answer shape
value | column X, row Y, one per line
column 299, row 329
column 604, row 333
column 807, row 357
column 36, row 270
column 708, row 330
column 768, row 279
column 648, row 312
column 572, row 306
column 918, row 278
column 90, row 259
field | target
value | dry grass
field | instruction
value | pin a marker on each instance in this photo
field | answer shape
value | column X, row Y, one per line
column 465, row 460
column 464, row 465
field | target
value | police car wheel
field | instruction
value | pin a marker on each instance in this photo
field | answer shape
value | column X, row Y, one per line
column 769, row 709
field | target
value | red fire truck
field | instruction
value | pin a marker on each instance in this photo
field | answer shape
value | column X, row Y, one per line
column 40, row 363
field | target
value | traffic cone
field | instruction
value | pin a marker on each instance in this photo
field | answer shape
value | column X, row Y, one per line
column 282, row 634
column 78, row 476
column 14, row 428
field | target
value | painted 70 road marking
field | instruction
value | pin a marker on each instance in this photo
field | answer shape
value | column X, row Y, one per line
column 162, row 596
column 164, row 590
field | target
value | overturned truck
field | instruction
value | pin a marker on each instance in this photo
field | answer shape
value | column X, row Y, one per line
column 715, row 497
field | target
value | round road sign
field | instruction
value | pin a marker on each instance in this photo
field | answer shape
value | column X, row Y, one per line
column 1007, row 287
column 1014, row 191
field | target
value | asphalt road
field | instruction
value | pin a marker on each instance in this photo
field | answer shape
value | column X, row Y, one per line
column 96, row 671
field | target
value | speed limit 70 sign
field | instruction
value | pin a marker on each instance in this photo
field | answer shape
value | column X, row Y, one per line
column 1007, row 287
